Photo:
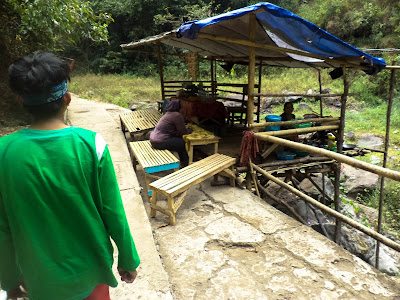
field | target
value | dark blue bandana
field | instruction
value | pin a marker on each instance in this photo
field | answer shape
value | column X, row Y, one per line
column 55, row 93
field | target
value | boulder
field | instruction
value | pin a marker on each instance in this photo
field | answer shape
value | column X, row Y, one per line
column 312, row 191
column 350, row 136
column 370, row 141
column 387, row 263
column 357, row 181
column 326, row 91
column 289, row 98
column 303, row 106
column 350, row 238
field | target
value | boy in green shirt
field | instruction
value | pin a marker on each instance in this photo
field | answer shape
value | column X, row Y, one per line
column 59, row 198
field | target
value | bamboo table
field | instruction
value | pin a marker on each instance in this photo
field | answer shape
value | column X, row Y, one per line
column 200, row 136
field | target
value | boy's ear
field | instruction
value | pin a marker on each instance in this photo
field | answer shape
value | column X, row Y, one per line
column 67, row 98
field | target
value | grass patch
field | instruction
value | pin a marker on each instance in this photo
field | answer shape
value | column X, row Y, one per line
column 122, row 90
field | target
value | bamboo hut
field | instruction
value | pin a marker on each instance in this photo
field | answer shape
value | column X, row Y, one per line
column 263, row 35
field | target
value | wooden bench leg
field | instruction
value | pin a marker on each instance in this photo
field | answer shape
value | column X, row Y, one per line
column 172, row 219
column 153, row 200
column 215, row 178
column 122, row 126
column 133, row 159
column 190, row 153
column 147, row 177
column 216, row 147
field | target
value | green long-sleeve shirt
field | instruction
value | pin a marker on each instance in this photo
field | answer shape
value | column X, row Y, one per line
column 59, row 206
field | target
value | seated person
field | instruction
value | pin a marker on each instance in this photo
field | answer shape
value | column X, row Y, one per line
column 169, row 131
column 288, row 115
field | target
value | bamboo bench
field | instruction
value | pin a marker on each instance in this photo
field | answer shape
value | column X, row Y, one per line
column 151, row 160
column 176, row 185
column 139, row 121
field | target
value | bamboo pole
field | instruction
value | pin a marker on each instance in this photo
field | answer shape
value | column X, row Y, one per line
column 385, row 155
column 339, row 138
column 322, row 191
column 320, row 91
column 306, row 159
column 212, row 77
column 251, row 43
column 251, row 68
column 304, row 95
column 330, row 211
column 259, row 90
column 320, row 120
column 160, row 70
column 336, row 156
column 301, row 130
column 253, row 176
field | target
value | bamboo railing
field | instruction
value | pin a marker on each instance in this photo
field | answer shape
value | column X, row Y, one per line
column 332, row 212
column 336, row 156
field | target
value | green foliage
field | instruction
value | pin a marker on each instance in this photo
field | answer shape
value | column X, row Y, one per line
column 365, row 23
column 391, row 204
column 50, row 24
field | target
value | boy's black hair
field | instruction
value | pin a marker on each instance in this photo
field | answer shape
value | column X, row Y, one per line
column 35, row 74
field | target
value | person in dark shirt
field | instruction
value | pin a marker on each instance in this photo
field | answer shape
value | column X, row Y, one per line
column 288, row 115
column 169, row 131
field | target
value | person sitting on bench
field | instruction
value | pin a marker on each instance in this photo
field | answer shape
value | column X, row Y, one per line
column 169, row 131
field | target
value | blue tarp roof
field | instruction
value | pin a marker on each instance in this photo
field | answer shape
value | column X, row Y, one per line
column 276, row 28
column 284, row 27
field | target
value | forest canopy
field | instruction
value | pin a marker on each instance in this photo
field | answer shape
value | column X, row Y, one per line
column 92, row 31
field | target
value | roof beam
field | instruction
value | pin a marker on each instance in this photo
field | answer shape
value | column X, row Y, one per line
column 276, row 48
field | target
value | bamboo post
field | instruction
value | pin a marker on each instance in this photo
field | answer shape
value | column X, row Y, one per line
column 333, row 155
column 385, row 155
column 259, row 91
column 323, row 188
column 160, row 70
column 251, row 69
column 379, row 237
column 320, row 91
column 212, row 77
column 339, row 145
column 253, row 176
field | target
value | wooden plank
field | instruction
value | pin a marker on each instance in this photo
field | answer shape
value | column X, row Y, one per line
column 179, row 201
column 140, row 120
column 160, row 209
column 193, row 181
column 269, row 150
column 176, row 182
column 147, row 156
column 191, row 170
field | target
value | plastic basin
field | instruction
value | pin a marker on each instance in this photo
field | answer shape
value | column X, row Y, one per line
column 273, row 118
column 285, row 155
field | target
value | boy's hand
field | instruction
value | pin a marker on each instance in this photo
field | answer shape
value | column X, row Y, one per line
column 127, row 276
